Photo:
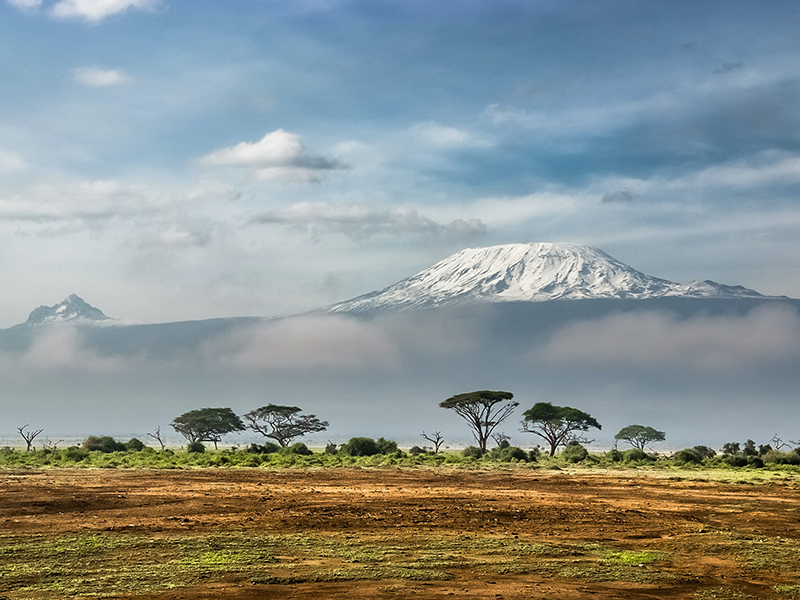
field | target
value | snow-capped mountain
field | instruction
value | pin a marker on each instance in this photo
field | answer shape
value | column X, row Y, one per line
column 530, row 273
column 73, row 308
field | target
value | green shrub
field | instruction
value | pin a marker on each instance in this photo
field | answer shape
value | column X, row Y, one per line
column 385, row 446
column 73, row 453
column 195, row 448
column 298, row 448
column 755, row 462
column 687, row 456
column 704, row 452
column 472, row 452
column 534, row 454
column 330, row 448
column 505, row 452
column 775, row 457
column 359, row 446
column 574, row 453
column 134, row 445
column 615, row 455
column 637, row 455
column 416, row 451
column 266, row 448
column 104, row 444
column 735, row 460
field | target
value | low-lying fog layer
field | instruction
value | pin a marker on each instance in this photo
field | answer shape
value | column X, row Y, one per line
column 703, row 371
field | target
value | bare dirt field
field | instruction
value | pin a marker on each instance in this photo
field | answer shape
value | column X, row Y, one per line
column 397, row 533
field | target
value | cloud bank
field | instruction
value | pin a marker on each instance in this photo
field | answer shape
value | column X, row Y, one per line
column 768, row 335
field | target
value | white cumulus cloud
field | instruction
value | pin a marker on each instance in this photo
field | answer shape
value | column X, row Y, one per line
column 95, row 11
column 279, row 155
column 96, row 77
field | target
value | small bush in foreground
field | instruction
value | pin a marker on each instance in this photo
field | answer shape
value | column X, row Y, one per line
column 298, row 448
column 104, row 444
column 195, row 448
column 134, row 445
column 266, row 448
column 687, row 456
column 574, row 453
column 704, row 451
column 359, row 446
column 385, row 446
column 505, row 452
column 637, row 455
column 775, row 457
column 472, row 452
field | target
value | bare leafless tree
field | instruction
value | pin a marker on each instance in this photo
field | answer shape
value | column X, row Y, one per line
column 157, row 437
column 28, row 435
column 779, row 444
column 434, row 438
column 50, row 445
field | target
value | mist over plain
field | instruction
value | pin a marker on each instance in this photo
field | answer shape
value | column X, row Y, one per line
column 704, row 371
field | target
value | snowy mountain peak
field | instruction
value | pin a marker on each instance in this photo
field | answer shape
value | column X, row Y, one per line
column 73, row 308
column 533, row 273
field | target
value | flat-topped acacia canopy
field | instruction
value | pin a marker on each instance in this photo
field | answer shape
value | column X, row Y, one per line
column 481, row 412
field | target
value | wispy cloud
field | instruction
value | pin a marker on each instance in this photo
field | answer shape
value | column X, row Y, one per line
column 443, row 136
column 25, row 4
column 97, row 77
column 80, row 201
column 11, row 161
column 727, row 67
column 361, row 221
column 279, row 155
column 618, row 196
column 185, row 235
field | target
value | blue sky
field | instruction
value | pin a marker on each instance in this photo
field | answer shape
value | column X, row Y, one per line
column 179, row 160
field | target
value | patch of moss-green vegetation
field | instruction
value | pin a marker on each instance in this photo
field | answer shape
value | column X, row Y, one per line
column 723, row 593
column 777, row 555
column 790, row 592
column 117, row 563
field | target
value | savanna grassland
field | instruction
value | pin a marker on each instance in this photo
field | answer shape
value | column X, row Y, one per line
column 514, row 531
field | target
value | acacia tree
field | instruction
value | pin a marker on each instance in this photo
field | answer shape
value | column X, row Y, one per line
column 207, row 424
column 283, row 423
column 483, row 411
column 28, row 435
column 556, row 424
column 638, row 436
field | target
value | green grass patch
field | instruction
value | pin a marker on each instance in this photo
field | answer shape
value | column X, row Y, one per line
column 791, row 592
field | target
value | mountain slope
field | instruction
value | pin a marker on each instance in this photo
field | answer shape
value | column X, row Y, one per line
column 72, row 308
column 530, row 273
